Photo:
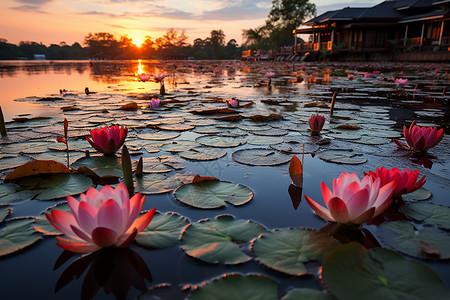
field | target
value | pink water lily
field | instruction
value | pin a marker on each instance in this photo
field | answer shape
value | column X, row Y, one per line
column 144, row 77
column 401, row 80
column 405, row 181
column 108, row 140
column 316, row 123
column 420, row 138
column 367, row 75
column 100, row 219
column 270, row 74
column 159, row 77
column 350, row 76
column 232, row 102
column 155, row 102
column 353, row 201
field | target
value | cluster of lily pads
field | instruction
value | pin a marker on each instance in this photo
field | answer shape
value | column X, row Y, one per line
column 272, row 135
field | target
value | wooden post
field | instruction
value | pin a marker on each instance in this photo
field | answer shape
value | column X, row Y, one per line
column 440, row 34
column 421, row 35
column 332, row 103
column 406, row 35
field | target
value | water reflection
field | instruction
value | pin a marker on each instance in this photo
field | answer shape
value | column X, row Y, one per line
column 295, row 193
column 422, row 159
column 348, row 234
column 114, row 269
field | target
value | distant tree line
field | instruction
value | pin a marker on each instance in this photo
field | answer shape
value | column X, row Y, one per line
column 104, row 45
column 283, row 18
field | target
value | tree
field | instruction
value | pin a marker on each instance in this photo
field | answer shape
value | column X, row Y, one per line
column 102, row 45
column 172, row 39
column 283, row 18
column 289, row 14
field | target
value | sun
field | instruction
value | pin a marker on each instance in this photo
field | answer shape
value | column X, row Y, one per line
column 137, row 43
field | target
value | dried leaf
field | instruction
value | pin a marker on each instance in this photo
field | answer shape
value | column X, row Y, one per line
column 37, row 167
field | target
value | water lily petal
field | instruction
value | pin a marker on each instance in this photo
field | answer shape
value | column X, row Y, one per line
column 104, row 237
column 319, row 210
column 338, row 210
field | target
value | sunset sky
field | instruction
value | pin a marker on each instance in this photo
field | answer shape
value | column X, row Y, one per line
column 54, row 21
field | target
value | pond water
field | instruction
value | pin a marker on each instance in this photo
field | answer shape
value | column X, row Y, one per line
column 377, row 105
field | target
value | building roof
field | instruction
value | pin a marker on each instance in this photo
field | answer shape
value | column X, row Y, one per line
column 382, row 11
column 437, row 14
column 407, row 4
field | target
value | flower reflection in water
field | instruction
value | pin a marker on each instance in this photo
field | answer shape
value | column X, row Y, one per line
column 295, row 193
column 114, row 269
column 346, row 234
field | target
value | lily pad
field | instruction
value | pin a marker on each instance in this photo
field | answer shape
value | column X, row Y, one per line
column 354, row 272
column 101, row 165
column 405, row 238
column 13, row 162
column 17, row 235
column 342, row 157
column 159, row 136
column 433, row 214
column 213, row 194
column 296, row 148
column 4, row 212
column 178, row 146
column 418, row 195
column 287, row 250
column 309, row 294
column 43, row 226
column 27, row 148
column 56, row 186
column 260, row 157
column 271, row 132
column 264, row 140
column 237, row 287
column 163, row 231
column 162, row 164
column 203, row 153
column 158, row 183
column 219, row 240
column 220, row 141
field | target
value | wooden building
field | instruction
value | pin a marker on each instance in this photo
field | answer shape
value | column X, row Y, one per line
column 390, row 29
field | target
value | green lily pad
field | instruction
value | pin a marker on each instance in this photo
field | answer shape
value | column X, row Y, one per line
column 309, row 294
column 56, row 186
column 264, row 140
column 101, row 165
column 163, row 231
column 354, row 272
column 43, row 226
column 4, row 212
column 405, row 238
column 158, row 183
column 287, row 250
column 13, row 162
column 271, row 132
column 27, row 148
column 159, row 136
column 176, row 127
column 217, row 241
column 162, row 164
column 237, row 287
column 17, row 235
column 296, row 148
column 178, row 146
column 260, row 157
column 345, row 157
column 433, row 214
column 418, row 195
column 220, row 141
column 203, row 153
column 213, row 194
